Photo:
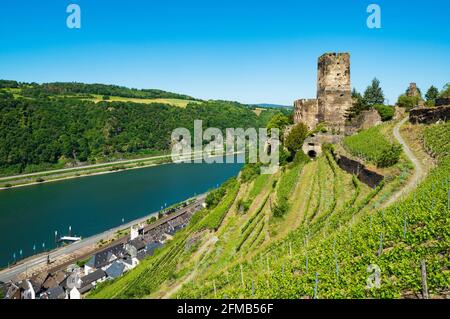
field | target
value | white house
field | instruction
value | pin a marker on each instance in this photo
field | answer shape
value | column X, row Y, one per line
column 74, row 293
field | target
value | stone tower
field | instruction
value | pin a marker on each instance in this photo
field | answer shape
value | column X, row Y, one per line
column 412, row 90
column 333, row 89
column 334, row 95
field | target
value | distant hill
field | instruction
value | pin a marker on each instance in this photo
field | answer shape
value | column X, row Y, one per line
column 273, row 106
column 35, row 90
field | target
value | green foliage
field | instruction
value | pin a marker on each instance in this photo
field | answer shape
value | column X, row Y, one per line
column 320, row 128
column 285, row 188
column 81, row 263
column 215, row 196
column 284, row 156
column 408, row 102
column 250, row 171
column 294, row 141
column 432, row 94
column 279, row 121
column 389, row 156
column 72, row 88
column 436, row 138
column 374, row 94
column 258, row 185
column 301, row 158
column 386, row 112
column 359, row 105
column 5, row 95
column 340, row 248
column 445, row 92
column 287, row 182
column 7, row 84
column 327, row 147
column 215, row 216
column 338, row 245
column 255, row 215
column 372, row 146
column 41, row 134
column 243, row 205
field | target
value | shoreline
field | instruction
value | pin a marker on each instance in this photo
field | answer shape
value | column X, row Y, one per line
column 81, row 176
column 85, row 246
column 106, row 167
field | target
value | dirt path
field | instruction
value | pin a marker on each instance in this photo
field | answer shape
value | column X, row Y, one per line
column 419, row 172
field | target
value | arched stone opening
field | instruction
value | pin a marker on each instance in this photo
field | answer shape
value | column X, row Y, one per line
column 312, row 153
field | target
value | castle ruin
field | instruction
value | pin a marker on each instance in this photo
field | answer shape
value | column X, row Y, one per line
column 334, row 96
column 412, row 90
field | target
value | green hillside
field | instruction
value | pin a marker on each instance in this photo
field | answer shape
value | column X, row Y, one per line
column 333, row 229
column 52, row 126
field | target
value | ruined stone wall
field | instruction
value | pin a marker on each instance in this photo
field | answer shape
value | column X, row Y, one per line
column 366, row 176
column 306, row 111
column 429, row 115
column 366, row 119
column 333, row 89
column 443, row 101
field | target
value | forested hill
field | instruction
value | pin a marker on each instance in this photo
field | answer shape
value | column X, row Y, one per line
column 47, row 132
column 73, row 88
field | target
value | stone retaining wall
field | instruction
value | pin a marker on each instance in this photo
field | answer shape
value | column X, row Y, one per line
column 429, row 115
column 366, row 176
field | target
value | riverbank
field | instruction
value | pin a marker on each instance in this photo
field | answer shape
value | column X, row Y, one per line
column 37, row 178
column 63, row 256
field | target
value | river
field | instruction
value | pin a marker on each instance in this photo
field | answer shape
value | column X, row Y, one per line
column 29, row 216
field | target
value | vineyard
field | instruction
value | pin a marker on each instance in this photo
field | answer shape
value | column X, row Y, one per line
column 338, row 255
column 372, row 146
column 334, row 238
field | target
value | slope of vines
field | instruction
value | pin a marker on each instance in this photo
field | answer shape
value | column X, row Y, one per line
column 339, row 257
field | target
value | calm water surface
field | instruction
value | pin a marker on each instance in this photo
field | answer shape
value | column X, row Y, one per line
column 30, row 215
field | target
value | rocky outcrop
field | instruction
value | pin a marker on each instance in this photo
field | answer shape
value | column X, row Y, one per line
column 443, row 101
column 429, row 115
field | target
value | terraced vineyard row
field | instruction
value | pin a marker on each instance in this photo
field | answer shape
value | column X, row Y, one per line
column 353, row 251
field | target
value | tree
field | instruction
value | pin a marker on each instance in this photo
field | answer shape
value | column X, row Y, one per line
column 408, row 102
column 294, row 141
column 431, row 96
column 374, row 94
column 432, row 93
column 446, row 91
column 358, row 106
column 280, row 122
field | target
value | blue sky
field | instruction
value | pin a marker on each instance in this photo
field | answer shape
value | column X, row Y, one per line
column 249, row 51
